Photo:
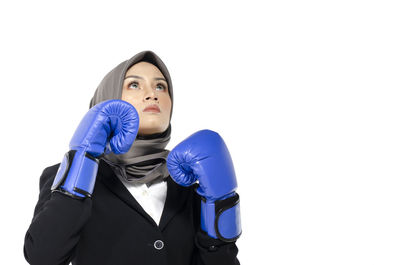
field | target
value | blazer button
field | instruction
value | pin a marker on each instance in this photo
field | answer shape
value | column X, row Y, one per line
column 158, row 244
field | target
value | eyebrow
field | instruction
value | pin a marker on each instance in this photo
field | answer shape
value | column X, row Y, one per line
column 139, row 77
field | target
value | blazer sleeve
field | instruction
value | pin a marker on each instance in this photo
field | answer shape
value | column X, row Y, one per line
column 55, row 228
column 211, row 251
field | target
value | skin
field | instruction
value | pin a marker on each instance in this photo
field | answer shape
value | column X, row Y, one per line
column 145, row 90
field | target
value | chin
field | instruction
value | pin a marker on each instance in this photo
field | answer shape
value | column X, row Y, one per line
column 150, row 130
column 150, row 125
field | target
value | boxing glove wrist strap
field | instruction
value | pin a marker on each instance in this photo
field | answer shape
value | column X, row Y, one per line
column 76, row 175
column 221, row 218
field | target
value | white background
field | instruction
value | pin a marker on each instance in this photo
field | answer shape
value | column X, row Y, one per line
column 305, row 94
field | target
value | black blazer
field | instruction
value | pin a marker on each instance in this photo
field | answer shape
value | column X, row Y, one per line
column 112, row 228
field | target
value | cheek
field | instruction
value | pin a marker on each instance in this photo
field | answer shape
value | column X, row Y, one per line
column 137, row 106
column 133, row 100
column 165, row 103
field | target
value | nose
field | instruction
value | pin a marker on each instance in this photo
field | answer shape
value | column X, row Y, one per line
column 150, row 95
column 148, row 98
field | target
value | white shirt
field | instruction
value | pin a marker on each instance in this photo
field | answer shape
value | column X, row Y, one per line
column 152, row 199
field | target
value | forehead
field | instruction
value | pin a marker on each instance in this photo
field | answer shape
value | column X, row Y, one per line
column 144, row 68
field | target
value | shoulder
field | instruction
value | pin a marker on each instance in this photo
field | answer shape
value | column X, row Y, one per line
column 48, row 175
column 51, row 169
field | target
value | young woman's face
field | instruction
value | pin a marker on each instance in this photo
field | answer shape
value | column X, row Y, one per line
column 144, row 86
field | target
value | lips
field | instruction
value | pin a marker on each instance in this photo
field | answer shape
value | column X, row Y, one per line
column 152, row 108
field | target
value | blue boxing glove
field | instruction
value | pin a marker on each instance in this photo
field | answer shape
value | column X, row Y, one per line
column 204, row 157
column 111, row 125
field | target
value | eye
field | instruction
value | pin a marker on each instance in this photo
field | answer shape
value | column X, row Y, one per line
column 133, row 85
column 161, row 86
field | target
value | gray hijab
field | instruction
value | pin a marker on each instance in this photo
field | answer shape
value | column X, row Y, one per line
column 145, row 162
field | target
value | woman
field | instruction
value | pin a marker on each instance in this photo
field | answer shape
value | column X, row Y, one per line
column 112, row 199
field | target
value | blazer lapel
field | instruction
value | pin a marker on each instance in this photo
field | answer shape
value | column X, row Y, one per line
column 111, row 181
column 176, row 198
